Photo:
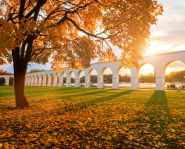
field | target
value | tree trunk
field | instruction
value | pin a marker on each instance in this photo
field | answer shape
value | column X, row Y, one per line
column 19, row 80
column 20, row 67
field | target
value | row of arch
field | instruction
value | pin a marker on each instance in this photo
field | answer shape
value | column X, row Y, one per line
column 6, row 80
column 97, row 76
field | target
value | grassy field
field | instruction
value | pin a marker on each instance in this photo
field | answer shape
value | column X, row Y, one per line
column 93, row 118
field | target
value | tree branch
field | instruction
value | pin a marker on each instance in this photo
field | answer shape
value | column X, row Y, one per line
column 21, row 9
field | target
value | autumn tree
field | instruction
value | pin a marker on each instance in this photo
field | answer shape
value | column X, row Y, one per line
column 72, row 33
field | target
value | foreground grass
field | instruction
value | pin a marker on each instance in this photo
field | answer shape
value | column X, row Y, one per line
column 93, row 118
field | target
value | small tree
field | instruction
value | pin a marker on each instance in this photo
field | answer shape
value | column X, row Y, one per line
column 72, row 33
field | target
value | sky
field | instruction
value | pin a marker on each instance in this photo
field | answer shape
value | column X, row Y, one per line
column 168, row 35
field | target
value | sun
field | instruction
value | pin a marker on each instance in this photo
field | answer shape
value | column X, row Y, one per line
column 146, row 69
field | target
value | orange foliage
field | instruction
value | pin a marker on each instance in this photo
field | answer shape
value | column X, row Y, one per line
column 74, row 32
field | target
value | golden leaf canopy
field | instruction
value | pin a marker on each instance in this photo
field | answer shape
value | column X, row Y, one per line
column 72, row 33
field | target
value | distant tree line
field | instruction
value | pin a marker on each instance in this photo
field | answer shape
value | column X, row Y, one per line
column 178, row 76
column 37, row 70
column 4, row 72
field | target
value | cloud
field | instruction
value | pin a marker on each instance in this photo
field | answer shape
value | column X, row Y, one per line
column 170, row 29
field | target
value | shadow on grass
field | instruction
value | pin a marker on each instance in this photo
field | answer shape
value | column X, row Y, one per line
column 95, row 92
column 158, row 110
column 7, row 108
column 53, row 91
column 89, row 103
column 159, row 99
column 156, row 113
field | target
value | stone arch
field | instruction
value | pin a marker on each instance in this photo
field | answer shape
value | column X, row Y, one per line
column 81, row 75
column 174, row 76
column 93, row 74
column 36, row 80
column 107, row 74
column 2, row 81
column 170, row 62
column 41, row 79
column 147, row 75
column 51, row 81
column 72, row 78
column 32, row 80
column 45, row 79
column 11, row 81
column 124, row 76
column 64, row 76
column 56, row 79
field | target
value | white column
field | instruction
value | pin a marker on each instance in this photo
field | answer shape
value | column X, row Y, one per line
column 55, row 80
column 68, row 79
column 28, row 83
column 87, row 78
column 49, row 81
column 100, row 79
column 134, row 78
column 7, row 81
column 32, row 81
column 36, row 81
column 87, row 81
column 40, row 81
column 44, row 80
column 160, row 79
column 77, row 78
column 77, row 81
column 60, row 83
column 115, row 80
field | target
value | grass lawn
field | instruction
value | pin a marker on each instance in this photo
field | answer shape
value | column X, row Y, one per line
column 93, row 118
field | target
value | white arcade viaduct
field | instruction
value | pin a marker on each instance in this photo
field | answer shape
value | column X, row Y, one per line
column 55, row 78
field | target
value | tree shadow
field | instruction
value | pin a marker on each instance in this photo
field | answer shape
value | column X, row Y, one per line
column 57, row 91
column 3, row 107
column 86, row 104
column 85, row 94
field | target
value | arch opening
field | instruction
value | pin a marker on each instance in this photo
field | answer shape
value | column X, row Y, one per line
column 11, row 80
column 46, row 79
column 124, row 77
column 2, row 81
column 64, row 79
column 51, row 79
column 41, row 81
column 57, row 79
column 93, row 78
column 81, row 75
column 107, row 77
column 175, row 75
column 72, row 78
column 147, row 76
column 37, row 80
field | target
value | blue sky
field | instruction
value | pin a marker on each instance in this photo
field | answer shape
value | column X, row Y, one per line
column 167, row 35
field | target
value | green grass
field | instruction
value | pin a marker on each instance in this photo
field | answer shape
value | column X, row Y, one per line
column 93, row 118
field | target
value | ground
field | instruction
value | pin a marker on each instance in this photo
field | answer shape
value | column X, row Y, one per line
column 93, row 118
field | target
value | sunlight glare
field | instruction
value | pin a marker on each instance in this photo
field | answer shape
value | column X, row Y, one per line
column 146, row 69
